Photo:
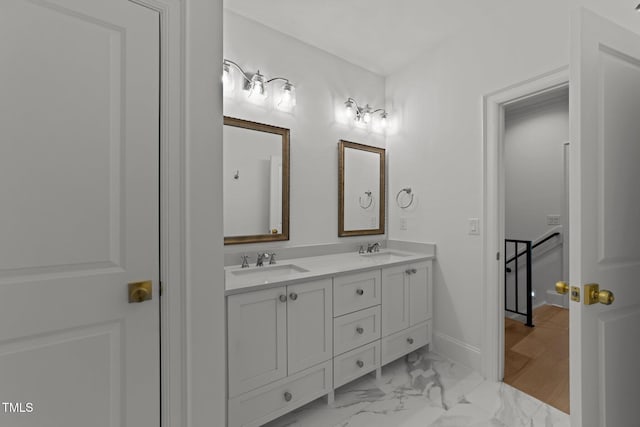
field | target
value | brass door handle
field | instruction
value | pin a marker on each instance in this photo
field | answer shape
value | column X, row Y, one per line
column 140, row 291
column 562, row 287
column 593, row 295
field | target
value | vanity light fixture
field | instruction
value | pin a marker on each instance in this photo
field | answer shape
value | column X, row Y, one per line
column 255, row 85
column 365, row 114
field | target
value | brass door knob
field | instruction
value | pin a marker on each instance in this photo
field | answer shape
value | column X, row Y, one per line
column 283, row 298
column 593, row 295
column 140, row 291
column 562, row 288
column 293, row 296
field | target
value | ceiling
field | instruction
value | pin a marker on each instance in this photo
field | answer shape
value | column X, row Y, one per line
column 379, row 35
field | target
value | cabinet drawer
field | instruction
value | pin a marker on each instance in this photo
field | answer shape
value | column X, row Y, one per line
column 356, row 329
column 262, row 405
column 353, row 292
column 354, row 364
column 406, row 341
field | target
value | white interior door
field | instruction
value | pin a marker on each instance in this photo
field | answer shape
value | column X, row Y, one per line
column 79, row 99
column 605, row 226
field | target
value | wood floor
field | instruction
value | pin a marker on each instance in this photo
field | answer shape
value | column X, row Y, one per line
column 537, row 359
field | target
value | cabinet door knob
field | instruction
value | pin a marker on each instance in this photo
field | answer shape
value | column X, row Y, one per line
column 408, row 271
column 293, row 296
column 414, row 271
column 360, row 363
column 360, row 330
column 410, row 340
column 283, row 298
column 288, row 396
column 360, row 292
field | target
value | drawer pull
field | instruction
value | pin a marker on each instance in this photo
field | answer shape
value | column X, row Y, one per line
column 283, row 298
column 293, row 296
column 360, row 363
column 410, row 340
column 360, row 330
column 414, row 271
column 360, row 292
column 288, row 396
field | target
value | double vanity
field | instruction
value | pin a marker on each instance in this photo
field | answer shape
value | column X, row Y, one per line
column 301, row 328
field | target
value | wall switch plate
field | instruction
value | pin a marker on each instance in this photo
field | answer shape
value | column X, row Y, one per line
column 474, row 226
column 403, row 224
column 553, row 219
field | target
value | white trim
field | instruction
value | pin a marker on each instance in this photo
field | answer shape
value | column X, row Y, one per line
column 492, row 365
column 457, row 350
column 192, row 392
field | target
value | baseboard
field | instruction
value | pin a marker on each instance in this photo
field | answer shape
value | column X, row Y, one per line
column 457, row 351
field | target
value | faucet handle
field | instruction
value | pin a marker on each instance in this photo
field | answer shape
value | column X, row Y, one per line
column 361, row 250
column 272, row 258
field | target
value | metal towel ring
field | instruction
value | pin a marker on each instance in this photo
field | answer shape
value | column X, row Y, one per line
column 366, row 206
column 404, row 190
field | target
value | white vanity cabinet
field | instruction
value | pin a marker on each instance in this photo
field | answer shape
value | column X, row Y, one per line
column 278, row 340
column 406, row 308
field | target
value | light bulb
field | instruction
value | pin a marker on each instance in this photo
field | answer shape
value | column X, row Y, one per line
column 227, row 78
column 288, row 98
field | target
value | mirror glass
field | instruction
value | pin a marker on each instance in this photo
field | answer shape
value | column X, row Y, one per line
column 256, row 182
column 361, row 189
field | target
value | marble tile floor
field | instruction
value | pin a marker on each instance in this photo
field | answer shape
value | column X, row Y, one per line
column 425, row 390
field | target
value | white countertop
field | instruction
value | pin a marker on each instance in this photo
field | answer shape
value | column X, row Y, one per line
column 240, row 280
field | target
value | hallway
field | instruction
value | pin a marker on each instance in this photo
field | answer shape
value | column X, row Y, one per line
column 537, row 359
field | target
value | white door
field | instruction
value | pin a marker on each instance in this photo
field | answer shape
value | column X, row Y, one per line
column 419, row 292
column 79, row 99
column 605, row 221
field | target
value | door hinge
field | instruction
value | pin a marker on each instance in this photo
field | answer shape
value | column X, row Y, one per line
column 497, row 256
column 160, row 290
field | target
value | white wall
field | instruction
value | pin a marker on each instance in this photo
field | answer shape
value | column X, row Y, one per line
column 438, row 150
column 323, row 82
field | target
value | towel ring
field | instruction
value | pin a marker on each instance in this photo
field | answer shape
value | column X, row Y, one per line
column 409, row 193
column 369, row 199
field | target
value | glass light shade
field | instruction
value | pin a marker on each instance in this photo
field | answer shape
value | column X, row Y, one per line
column 349, row 110
column 366, row 116
column 227, row 78
column 257, row 87
column 383, row 121
column 288, row 99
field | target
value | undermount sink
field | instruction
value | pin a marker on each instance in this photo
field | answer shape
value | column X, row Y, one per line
column 385, row 255
column 268, row 272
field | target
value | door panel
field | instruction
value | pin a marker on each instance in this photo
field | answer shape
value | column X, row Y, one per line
column 257, row 339
column 419, row 291
column 604, row 205
column 309, row 324
column 395, row 299
column 79, row 100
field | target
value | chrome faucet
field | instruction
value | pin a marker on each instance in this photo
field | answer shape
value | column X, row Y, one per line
column 245, row 261
column 373, row 247
column 261, row 257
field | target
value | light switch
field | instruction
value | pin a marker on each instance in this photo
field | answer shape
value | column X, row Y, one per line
column 474, row 226
column 553, row 219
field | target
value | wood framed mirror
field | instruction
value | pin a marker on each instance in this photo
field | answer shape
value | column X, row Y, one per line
column 361, row 189
column 256, row 182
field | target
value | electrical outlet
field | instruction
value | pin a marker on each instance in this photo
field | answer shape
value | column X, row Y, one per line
column 474, row 226
column 403, row 224
column 553, row 219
